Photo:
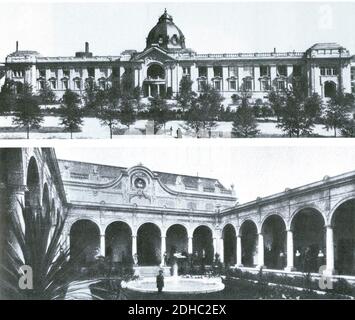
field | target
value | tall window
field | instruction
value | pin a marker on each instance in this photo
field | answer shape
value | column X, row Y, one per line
column 281, row 85
column 297, row 71
column 264, row 71
column 201, row 84
column 248, row 70
column 329, row 71
column 248, row 84
column 217, row 85
column 42, row 73
column 91, row 72
column 265, row 85
column 282, row 70
column 17, row 73
column 232, row 85
column 202, row 72
column 233, row 71
column 217, row 71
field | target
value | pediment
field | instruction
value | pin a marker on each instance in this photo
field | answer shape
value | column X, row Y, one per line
column 155, row 54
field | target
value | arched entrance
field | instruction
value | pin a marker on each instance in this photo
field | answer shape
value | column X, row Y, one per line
column 329, row 89
column 176, row 241
column 149, row 244
column 229, row 245
column 249, row 236
column 154, row 84
column 32, row 196
column 84, row 242
column 308, row 240
column 118, row 242
column 202, row 244
column 274, row 232
column 344, row 238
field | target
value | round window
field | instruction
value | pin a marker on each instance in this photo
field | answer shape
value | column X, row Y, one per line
column 140, row 183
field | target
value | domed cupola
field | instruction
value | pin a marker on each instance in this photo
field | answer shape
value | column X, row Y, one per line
column 166, row 34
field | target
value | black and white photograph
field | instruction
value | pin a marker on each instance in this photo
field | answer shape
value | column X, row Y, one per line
column 177, row 70
column 199, row 223
column 123, row 173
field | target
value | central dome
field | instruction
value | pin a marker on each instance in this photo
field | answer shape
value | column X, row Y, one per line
column 166, row 34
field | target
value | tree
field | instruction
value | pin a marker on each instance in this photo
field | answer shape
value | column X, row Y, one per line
column 244, row 124
column 7, row 96
column 296, row 112
column 70, row 112
column 186, row 95
column 109, row 100
column 210, row 101
column 193, row 117
column 348, row 129
column 298, row 115
column 46, row 95
column 277, row 101
column 127, row 115
column 27, row 112
column 109, row 116
column 127, row 84
column 204, row 109
column 92, row 97
column 337, row 111
column 158, row 112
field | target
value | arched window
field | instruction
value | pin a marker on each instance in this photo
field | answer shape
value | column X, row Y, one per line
column 155, row 71
column 329, row 89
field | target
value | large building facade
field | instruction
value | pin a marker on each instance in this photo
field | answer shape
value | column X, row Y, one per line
column 159, row 68
column 120, row 212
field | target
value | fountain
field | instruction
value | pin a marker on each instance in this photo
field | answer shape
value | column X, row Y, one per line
column 177, row 284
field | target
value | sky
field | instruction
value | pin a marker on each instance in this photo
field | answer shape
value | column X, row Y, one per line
column 60, row 29
column 255, row 168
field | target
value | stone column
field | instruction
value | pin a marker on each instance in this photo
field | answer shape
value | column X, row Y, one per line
column 273, row 74
column 329, row 250
column 225, row 77
column 102, row 245
column 221, row 249
column 190, row 247
column 257, row 86
column 136, row 77
column 261, row 251
column 163, row 249
column 215, row 249
column 239, row 251
column 149, row 90
column 290, row 253
column 210, row 74
column 134, row 244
